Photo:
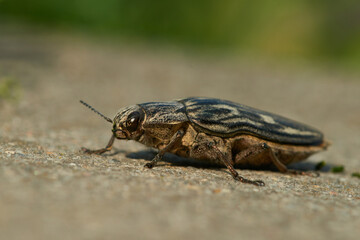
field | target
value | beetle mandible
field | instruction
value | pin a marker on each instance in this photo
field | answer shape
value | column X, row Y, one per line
column 216, row 131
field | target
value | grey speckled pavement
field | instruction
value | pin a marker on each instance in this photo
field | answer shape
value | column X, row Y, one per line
column 49, row 190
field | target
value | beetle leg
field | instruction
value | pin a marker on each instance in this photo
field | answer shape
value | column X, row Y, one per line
column 101, row 150
column 225, row 159
column 258, row 149
column 281, row 167
column 174, row 139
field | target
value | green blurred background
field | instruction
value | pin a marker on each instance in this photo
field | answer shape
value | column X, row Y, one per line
column 320, row 30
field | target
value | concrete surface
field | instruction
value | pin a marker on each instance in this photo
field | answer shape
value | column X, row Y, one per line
column 49, row 190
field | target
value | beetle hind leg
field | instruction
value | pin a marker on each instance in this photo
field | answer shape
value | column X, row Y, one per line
column 265, row 149
column 282, row 168
column 101, row 150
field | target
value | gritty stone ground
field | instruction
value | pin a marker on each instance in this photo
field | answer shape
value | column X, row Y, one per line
column 50, row 190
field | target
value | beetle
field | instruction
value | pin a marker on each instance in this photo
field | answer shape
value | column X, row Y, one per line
column 216, row 131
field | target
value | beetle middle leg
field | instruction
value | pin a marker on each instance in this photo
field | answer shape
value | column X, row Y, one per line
column 207, row 149
column 174, row 139
column 233, row 172
column 101, row 150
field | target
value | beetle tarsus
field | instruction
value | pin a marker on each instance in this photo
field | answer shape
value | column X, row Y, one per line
column 98, row 151
column 244, row 180
column 101, row 150
column 153, row 162
column 303, row 173
column 149, row 165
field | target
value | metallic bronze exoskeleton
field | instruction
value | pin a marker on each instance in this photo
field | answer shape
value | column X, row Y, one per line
column 216, row 131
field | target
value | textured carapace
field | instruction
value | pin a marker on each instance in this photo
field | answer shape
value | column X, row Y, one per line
column 225, row 118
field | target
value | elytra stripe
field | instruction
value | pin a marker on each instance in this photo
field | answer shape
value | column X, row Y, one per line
column 225, row 118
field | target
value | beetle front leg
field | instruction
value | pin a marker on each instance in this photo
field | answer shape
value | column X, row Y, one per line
column 174, row 139
column 101, row 150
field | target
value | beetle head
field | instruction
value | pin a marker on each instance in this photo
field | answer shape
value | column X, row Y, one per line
column 128, row 122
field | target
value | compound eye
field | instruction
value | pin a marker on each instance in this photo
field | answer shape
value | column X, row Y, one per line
column 133, row 121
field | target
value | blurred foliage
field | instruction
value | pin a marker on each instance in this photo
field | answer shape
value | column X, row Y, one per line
column 9, row 89
column 338, row 169
column 356, row 174
column 300, row 28
column 320, row 165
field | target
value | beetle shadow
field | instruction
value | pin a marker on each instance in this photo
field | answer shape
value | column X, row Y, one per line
column 310, row 166
column 171, row 159
column 175, row 160
column 114, row 152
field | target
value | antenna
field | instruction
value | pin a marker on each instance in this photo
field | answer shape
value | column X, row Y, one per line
column 94, row 110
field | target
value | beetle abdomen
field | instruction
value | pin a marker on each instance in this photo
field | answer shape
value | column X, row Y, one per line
column 225, row 118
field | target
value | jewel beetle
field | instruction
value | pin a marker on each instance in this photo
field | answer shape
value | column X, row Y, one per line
column 216, row 131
